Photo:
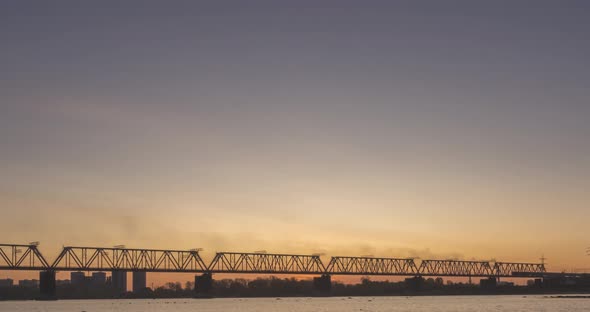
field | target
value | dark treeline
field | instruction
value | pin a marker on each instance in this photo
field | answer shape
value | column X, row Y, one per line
column 291, row 287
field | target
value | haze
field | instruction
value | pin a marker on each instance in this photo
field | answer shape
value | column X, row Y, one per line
column 415, row 128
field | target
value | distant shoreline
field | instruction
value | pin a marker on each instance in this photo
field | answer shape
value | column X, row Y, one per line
column 545, row 295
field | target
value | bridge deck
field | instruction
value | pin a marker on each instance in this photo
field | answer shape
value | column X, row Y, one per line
column 28, row 257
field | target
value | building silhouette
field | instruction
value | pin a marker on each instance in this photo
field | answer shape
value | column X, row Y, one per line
column 33, row 283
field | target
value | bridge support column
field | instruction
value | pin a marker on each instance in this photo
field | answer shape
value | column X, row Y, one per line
column 139, row 282
column 323, row 284
column 488, row 283
column 119, row 282
column 47, row 285
column 414, row 283
column 203, row 285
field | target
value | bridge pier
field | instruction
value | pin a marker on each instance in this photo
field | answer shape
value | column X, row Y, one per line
column 549, row 282
column 119, row 281
column 203, row 285
column 414, row 283
column 489, row 283
column 323, row 284
column 139, row 281
column 47, row 285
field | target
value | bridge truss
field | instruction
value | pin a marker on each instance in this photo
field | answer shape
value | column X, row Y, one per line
column 28, row 257
column 233, row 262
column 371, row 266
column 21, row 257
column 112, row 259
column 515, row 269
column 455, row 268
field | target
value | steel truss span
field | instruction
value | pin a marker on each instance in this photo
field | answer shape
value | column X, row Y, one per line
column 233, row 262
column 512, row 269
column 28, row 257
column 21, row 257
column 110, row 259
column 455, row 268
column 371, row 266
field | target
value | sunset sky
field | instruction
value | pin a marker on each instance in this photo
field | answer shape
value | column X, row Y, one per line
column 437, row 129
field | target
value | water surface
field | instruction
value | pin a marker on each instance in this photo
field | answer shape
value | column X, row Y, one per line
column 336, row 304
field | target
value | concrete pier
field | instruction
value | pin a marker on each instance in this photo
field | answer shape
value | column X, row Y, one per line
column 203, row 285
column 323, row 284
column 119, row 281
column 488, row 283
column 139, row 281
column 414, row 283
column 47, row 285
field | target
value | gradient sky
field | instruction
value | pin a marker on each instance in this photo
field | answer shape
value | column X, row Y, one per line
column 393, row 128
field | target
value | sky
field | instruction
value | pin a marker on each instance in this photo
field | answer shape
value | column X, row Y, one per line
column 455, row 129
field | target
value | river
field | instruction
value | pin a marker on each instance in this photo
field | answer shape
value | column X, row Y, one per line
column 336, row 304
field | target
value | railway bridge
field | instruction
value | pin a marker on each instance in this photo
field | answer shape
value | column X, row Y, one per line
column 120, row 260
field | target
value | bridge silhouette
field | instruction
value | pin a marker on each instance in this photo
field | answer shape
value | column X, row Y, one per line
column 28, row 257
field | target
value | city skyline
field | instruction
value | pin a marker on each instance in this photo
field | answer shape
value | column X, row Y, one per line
column 423, row 129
